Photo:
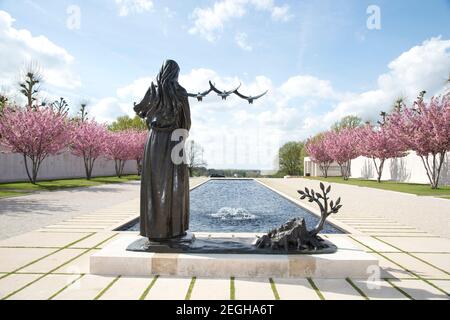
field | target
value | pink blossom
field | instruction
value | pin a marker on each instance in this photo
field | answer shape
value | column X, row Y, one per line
column 35, row 133
column 342, row 147
column 317, row 151
column 118, row 149
column 89, row 141
column 379, row 144
column 137, row 146
column 425, row 129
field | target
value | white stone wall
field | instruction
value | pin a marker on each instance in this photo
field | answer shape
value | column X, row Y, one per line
column 407, row 169
column 62, row 166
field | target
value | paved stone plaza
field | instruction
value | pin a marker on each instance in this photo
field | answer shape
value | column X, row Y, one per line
column 53, row 262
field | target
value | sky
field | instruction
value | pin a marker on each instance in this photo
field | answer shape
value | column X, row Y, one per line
column 320, row 60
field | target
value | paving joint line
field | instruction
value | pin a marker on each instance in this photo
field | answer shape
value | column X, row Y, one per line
column 274, row 289
column 103, row 291
column 190, row 289
column 316, row 288
column 359, row 290
column 65, row 287
column 147, row 290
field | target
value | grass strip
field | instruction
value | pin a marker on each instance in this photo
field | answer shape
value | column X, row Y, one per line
column 399, row 289
column 191, row 287
column 316, row 289
column 65, row 287
column 232, row 289
column 350, row 282
column 106, row 288
column 147, row 290
column 274, row 289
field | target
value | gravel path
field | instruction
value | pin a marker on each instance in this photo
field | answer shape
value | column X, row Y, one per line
column 26, row 213
column 424, row 213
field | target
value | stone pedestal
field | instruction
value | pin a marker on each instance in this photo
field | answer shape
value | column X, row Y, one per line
column 348, row 261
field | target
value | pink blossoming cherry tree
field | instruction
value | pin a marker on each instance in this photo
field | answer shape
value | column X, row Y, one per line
column 36, row 133
column 118, row 149
column 343, row 147
column 379, row 144
column 425, row 129
column 89, row 142
column 317, row 150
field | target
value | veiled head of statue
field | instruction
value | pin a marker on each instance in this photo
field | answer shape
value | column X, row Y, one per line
column 169, row 72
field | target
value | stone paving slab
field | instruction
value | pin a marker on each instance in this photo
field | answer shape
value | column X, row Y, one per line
column 127, row 288
column 166, row 288
column 391, row 270
column 86, row 288
column 374, row 244
column 51, row 262
column 295, row 289
column 15, row 282
column 379, row 290
column 43, row 240
column 79, row 265
column 14, row 258
column 211, row 289
column 419, row 244
column 420, row 290
column 416, row 266
column 253, row 289
column 337, row 289
column 44, row 288
column 95, row 239
column 439, row 260
column 443, row 284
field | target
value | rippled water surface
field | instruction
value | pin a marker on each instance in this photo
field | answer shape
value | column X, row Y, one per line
column 242, row 206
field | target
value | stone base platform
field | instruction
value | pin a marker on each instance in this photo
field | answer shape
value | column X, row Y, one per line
column 348, row 261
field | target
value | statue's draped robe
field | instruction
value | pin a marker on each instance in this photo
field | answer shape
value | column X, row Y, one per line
column 165, row 185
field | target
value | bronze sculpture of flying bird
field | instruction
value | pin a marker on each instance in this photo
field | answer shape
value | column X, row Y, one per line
column 250, row 99
column 199, row 95
column 223, row 94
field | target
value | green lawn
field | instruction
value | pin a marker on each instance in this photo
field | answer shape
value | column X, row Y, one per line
column 10, row 194
column 21, row 188
column 414, row 188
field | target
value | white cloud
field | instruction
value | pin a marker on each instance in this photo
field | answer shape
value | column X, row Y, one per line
column 423, row 67
column 209, row 22
column 281, row 13
column 242, row 41
column 19, row 47
column 308, row 86
column 127, row 7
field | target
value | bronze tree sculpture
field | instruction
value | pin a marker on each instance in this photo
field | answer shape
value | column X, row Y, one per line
column 294, row 235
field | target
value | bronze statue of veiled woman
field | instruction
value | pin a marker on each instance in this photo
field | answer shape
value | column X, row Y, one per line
column 164, row 184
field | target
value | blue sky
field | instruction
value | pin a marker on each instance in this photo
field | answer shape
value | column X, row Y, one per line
column 318, row 58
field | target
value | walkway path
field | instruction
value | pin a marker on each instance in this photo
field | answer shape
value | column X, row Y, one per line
column 424, row 214
column 27, row 213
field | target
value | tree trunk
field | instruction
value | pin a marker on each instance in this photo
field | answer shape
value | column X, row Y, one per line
column 379, row 168
column 434, row 171
column 117, row 167
column 27, row 170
